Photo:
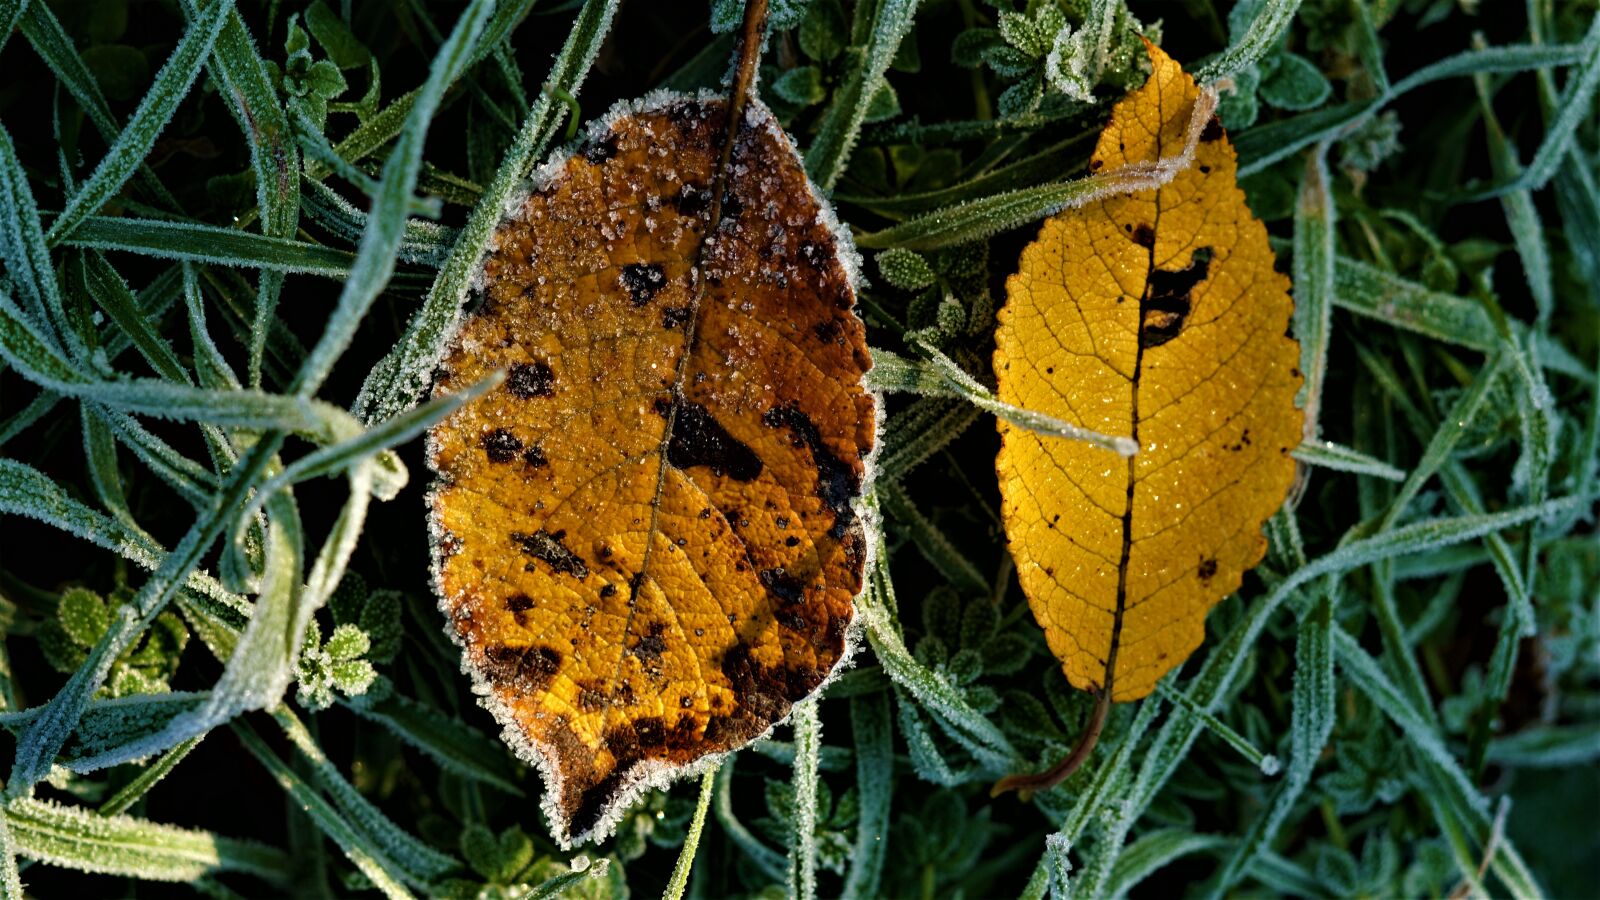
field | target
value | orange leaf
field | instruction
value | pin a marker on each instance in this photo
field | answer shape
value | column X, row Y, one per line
column 1156, row 314
column 647, row 540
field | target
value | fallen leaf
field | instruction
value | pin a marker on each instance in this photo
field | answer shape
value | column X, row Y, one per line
column 646, row 539
column 1156, row 314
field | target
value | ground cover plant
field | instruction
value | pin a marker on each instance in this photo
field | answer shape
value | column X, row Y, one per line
column 236, row 234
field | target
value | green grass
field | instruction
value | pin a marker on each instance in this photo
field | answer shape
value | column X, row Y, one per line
column 235, row 235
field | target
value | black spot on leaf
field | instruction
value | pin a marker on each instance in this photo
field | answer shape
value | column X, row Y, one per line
column 837, row 483
column 698, row 439
column 674, row 316
column 1166, row 307
column 534, row 457
column 522, row 666
column 642, row 281
column 529, row 380
column 783, row 586
column 501, row 446
column 547, row 547
column 693, row 200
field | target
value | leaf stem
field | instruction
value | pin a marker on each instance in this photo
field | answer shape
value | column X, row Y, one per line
column 1026, row 785
column 752, row 36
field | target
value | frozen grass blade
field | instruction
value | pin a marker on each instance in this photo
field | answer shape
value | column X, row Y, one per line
column 1261, row 147
column 1313, row 718
column 1215, row 679
column 769, row 861
column 27, row 492
column 386, row 220
column 10, row 14
column 874, row 742
column 245, row 80
column 100, row 452
column 37, row 746
column 908, row 445
column 420, row 864
column 107, row 725
column 563, row 884
column 425, row 243
column 111, row 293
column 134, row 790
column 10, row 883
column 23, row 250
column 133, row 848
column 1549, row 747
column 383, row 872
column 1109, row 781
column 803, row 821
column 396, row 382
column 1455, row 794
column 1314, row 221
column 1527, row 231
column 873, row 47
column 171, row 85
column 1156, row 850
column 1575, row 105
column 978, row 219
column 1266, row 762
column 939, row 376
column 1339, row 458
column 211, row 245
column 1368, row 291
column 55, row 47
column 1272, row 20
column 691, row 842
column 874, row 607
column 455, row 746
column 935, row 547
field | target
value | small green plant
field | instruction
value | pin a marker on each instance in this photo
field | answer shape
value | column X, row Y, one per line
column 82, row 619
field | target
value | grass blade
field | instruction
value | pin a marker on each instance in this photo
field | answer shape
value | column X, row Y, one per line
column 455, row 746
column 874, row 742
column 132, row 848
column 210, row 244
column 803, row 823
column 375, row 259
column 1271, row 21
column 1314, row 221
column 384, row 874
column 396, row 382
column 127, row 153
column 691, row 841
column 869, row 57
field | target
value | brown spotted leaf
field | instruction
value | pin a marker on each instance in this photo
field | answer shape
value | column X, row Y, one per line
column 1156, row 314
column 646, row 539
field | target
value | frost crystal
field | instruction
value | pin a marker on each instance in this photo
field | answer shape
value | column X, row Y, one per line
column 1067, row 66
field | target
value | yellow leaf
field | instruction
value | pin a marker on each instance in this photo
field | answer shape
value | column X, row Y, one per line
column 646, row 539
column 1156, row 314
